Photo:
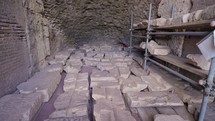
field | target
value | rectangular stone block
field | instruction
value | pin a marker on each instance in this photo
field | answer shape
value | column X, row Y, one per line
column 124, row 72
column 153, row 99
column 53, row 68
column 63, row 54
column 43, row 82
column 161, row 117
column 105, row 84
column 133, row 84
column 71, row 77
column 19, row 107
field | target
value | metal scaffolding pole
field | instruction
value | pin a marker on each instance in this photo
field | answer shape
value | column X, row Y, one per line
column 208, row 90
column 148, row 36
column 131, row 32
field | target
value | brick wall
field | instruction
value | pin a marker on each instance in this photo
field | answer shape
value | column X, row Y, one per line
column 14, row 61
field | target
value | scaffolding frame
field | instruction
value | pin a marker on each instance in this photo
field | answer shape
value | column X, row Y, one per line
column 209, row 84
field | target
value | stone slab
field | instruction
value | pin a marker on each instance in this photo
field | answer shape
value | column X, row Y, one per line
column 124, row 72
column 62, row 54
column 105, row 84
column 155, row 84
column 71, row 77
column 43, row 82
column 98, row 75
column 161, row 117
column 133, row 84
column 138, row 71
column 19, row 107
column 57, row 61
column 114, row 72
column 153, row 99
column 53, row 68
column 99, row 93
column 83, row 118
column 72, row 69
column 105, row 110
column 71, row 104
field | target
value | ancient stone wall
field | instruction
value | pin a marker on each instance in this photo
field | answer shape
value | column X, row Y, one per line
column 181, row 7
column 95, row 20
column 26, row 39
column 14, row 57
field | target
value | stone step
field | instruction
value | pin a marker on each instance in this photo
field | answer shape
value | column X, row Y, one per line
column 19, row 107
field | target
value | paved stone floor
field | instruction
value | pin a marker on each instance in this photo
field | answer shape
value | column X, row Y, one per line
column 101, row 83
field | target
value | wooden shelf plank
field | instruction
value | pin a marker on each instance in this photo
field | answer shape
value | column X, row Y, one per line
column 197, row 24
column 183, row 63
column 191, row 25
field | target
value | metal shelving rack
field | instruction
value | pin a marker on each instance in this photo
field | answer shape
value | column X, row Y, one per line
column 209, row 84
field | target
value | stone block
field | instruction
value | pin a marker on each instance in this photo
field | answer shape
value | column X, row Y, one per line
column 105, row 84
column 105, row 66
column 105, row 110
column 71, row 77
column 102, row 76
column 156, row 49
column 91, row 62
column 81, row 86
column 57, row 61
column 82, row 118
column 133, row 84
column 63, row 101
column 159, row 22
column 114, row 72
column 43, row 82
column 185, row 18
column 208, row 13
column 199, row 61
column 71, row 104
column 181, row 7
column 162, row 117
column 68, row 86
column 138, row 71
column 99, row 55
column 115, row 96
column 83, row 77
column 62, row 55
column 124, row 72
column 53, row 68
column 72, row 69
column 19, row 107
column 99, row 93
column 195, row 16
column 153, row 99
column 156, row 83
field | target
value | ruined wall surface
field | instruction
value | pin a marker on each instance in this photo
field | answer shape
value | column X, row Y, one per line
column 95, row 20
column 14, row 56
column 26, row 39
column 181, row 7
